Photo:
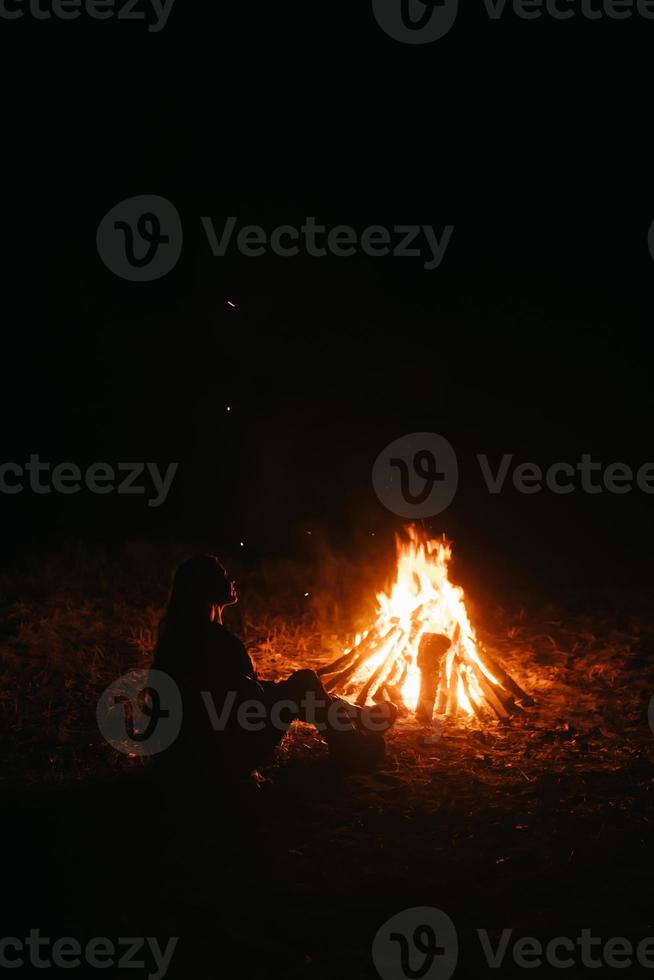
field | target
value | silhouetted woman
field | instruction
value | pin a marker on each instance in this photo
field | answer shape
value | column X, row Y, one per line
column 216, row 677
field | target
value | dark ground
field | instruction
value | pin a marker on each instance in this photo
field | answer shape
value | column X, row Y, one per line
column 543, row 826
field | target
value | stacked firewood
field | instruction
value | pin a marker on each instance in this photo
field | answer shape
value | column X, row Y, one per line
column 447, row 667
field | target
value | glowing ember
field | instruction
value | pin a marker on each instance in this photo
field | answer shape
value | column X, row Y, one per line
column 422, row 652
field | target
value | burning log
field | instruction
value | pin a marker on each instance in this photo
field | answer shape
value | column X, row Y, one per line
column 396, row 673
column 393, row 687
column 393, row 694
column 339, row 664
column 466, row 690
column 363, row 653
column 490, row 692
column 351, row 655
column 453, row 693
column 441, row 704
column 432, row 649
column 376, row 679
column 502, row 675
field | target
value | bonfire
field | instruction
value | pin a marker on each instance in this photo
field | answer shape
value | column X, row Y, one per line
column 422, row 652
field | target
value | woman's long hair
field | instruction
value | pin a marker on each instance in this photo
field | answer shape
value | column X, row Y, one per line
column 199, row 583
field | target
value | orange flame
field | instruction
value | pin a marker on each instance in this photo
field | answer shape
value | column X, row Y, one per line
column 423, row 600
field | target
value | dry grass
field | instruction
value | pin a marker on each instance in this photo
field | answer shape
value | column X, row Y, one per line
column 72, row 625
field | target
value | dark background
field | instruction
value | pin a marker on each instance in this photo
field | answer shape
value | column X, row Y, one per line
column 532, row 337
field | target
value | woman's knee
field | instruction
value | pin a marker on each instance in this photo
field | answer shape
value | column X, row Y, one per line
column 306, row 676
column 304, row 682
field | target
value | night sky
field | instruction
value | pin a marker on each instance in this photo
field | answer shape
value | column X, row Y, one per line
column 532, row 337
